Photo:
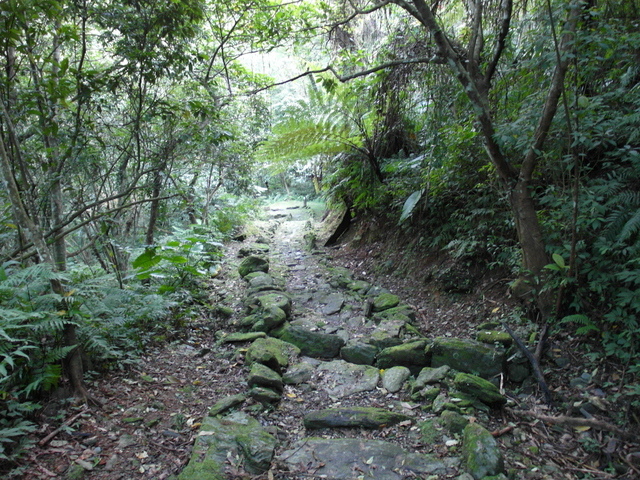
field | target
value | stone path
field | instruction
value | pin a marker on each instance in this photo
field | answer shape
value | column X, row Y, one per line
column 346, row 387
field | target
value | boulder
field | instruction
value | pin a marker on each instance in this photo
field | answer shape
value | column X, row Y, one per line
column 479, row 388
column 311, row 343
column 410, row 354
column 272, row 352
column 358, row 417
column 481, row 455
column 238, row 435
column 466, row 356
column 359, row 353
column 252, row 264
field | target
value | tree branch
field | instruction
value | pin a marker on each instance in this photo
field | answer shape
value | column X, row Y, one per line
column 555, row 91
column 507, row 12
column 346, row 78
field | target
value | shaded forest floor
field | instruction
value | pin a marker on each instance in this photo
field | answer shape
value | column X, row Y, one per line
column 152, row 410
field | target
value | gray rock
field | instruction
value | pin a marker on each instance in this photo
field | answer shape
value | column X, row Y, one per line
column 358, row 417
column 299, row 373
column 466, row 356
column 479, row 388
column 359, row 353
column 341, row 379
column 272, row 352
column 252, row 264
column 393, row 379
column 311, row 343
column 430, row 375
column 333, row 303
column 480, row 451
column 236, row 434
column 410, row 354
column 338, row 459
column 262, row 376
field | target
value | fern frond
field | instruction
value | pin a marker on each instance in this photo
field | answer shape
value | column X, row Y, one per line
column 630, row 228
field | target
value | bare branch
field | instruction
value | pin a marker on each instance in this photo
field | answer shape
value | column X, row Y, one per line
column 346, row 78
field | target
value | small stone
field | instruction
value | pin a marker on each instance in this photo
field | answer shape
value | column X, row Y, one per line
column 264, row 395
column 262, row 376
column 226, row 403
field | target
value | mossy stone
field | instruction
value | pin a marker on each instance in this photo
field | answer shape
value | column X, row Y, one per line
column 479, row 388
column 253, row 264
column 385, row 301
column 480, row 452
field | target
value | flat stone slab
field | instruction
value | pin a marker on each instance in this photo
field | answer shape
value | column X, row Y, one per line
column 351, row 458
column 341, row 379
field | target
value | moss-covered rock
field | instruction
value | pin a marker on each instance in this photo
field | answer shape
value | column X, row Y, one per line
column 252, row 264
column 359, row 353
column 410, row 354
column 226, row 403
column 467, row 356
column 401, row 312
column 385, row 301
column 363, row 417
column 262, row 376
column 480, row 452
column 453, row 422
column 479, row 388
column 265, row 395
column 238, row 435
column 272, row 352
column 313, row 344
column 494, row 336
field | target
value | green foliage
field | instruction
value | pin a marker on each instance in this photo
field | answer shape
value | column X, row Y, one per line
column 183, row 257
